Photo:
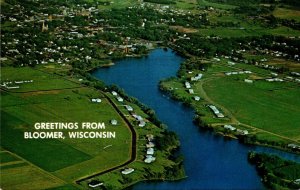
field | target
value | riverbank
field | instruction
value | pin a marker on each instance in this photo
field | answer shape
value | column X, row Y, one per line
column 191, row 91
column 276, row 173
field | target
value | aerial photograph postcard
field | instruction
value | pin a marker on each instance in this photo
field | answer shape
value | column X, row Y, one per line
column 150, row 95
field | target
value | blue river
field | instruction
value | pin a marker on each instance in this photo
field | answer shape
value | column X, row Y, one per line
column 211, row 161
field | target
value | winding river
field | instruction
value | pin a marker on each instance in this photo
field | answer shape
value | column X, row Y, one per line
column 211, row 161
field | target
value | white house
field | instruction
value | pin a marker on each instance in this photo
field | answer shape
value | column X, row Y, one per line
column 187, row 85
column 120, row 99
column 95, row 183
column 96, row 100
column 114, row 122
column 248, row 81
column 127, row 171
column 229, row 127
column 197, row 98
column 150, row 151
column 129, row 108
column 149, row 159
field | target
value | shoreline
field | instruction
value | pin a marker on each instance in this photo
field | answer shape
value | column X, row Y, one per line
column 230, row 136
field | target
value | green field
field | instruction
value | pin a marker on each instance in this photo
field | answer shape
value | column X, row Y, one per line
column 285, row 13
column 269, row 110
column 18, row 174
column 249, row 31
column 257, row 105
column 41, row 80
column 70, row 159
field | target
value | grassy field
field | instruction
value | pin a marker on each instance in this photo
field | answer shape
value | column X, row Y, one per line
column 285, row 13
column 204, row 3
column 256, row 106
column 270, row 109
column 41, row 80
column 116, row 4
column 18, row 174
column 250, row 31
column 67, row 158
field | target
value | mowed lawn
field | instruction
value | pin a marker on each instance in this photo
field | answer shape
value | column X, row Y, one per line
column 70, row 159
column 270, row 107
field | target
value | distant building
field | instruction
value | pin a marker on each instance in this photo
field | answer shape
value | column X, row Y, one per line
column 187, row 85
column 96, row 100
column 229, row 127
column 149, row 159
column 120, row 99
column 127, row 171
column 114, row 122
column 248, row 81
column 197, row 98
column 95, row 183
column 150, row 151
column 216, row 111
column 129, row 108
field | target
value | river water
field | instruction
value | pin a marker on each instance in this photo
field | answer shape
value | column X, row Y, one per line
column 211, row 161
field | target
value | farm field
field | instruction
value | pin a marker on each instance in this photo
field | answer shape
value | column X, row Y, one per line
column 249, row 106
column 25, row 175
column 257, row 106
column 20, row 111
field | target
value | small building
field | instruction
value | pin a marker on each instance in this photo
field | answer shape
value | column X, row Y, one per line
column 197, row 98
column 150, row 151
column 96, row 100
column 95, row 183
column 129, row 108
column 191, row 91
column 216, row 111
column 149, row 159
column 297, row 181
column 114, row 93
column 248, row 81
column 142, row 123
column 127, row 171
column 220, row 115
column 12, row 87
column 113, row 122
column 197, row 77
column 229, row 127
column 294, row 146
column 120, row 99
column 138, row 117
column 242, row 132
column 187, row 85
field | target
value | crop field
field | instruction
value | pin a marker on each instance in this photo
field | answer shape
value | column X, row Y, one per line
column 261, row 109
column 69, row 159
column 258, row 107
column 18, row 174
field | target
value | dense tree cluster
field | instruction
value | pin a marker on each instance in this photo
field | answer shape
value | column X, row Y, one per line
column 276, row 173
